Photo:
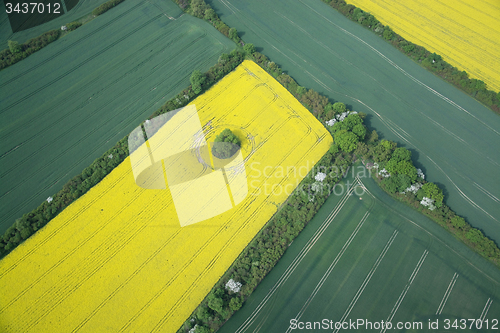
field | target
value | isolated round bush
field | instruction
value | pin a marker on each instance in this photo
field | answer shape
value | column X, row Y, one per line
column 226, row 144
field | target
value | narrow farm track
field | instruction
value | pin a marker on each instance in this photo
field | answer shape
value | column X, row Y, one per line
column 453, row 138
column 51, row 132
column 119, row 253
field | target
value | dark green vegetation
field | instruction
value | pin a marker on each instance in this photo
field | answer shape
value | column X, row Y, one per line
column 226, row 144
column 71, row 102
column 12, row 55
column 105, row 7
column 431, row 61
column 17, row 52
column 197, row 79
column 201, row 10
column 370, row 259
column 453, row 138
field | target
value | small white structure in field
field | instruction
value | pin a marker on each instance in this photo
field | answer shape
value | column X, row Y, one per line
column 320, row 176
column 110, row 156
column 233, row 286
column 420, row 173
column 64, row 28
column 49, row 199
column 331, row 122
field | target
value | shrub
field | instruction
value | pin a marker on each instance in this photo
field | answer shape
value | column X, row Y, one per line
column 73, row 25
column 105, row 7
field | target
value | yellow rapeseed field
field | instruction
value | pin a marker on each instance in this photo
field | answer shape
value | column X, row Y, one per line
column 117, row 259
column 465, row 33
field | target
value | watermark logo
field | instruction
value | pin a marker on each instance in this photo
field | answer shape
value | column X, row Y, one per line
column 263, row 180
column 171, row 152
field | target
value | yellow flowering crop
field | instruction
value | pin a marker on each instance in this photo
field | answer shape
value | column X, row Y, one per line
column 465, row 33
column 117, row 259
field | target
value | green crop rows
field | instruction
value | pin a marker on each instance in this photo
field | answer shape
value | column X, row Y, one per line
column 71, row 101
column 455, row 144
column 363, row 256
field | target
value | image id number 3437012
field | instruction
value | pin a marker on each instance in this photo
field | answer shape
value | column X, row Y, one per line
column 462, row 324
column 33, row 7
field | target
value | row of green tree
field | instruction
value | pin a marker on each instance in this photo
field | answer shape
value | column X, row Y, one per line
column 432, row 61
column 30, row 222
column 105, row 7
column 397, row 161
column 17, row 52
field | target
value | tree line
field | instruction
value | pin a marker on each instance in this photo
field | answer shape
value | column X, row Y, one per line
column 105, row 7
column 432, row 61
column 17, row 52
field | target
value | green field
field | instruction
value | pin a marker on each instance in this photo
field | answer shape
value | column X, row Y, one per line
column 454, row 139
column 365, row 256
column 64, row 106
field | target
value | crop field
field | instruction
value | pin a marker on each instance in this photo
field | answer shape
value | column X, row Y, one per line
column 365, row 256
column 82, row 8
column 118, row 260
column 453, row 138
column 65, row 105
column 466, row 34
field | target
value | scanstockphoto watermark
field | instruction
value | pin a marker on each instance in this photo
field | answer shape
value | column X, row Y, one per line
column 266, row 179
column 357, row 324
